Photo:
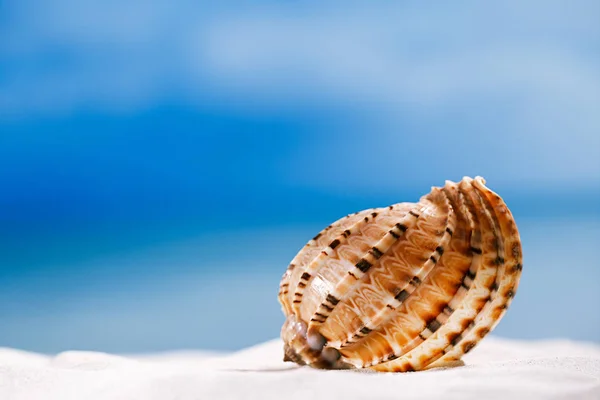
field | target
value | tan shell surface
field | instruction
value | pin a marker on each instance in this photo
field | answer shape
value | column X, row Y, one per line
column 405, row 287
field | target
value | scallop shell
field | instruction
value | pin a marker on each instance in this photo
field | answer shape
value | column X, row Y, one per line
column 406, row 287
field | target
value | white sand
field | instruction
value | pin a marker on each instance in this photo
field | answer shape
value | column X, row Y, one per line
column 496, row 369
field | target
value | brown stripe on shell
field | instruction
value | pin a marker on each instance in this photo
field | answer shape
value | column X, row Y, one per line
column 313, row 248
column 311, row 268
column 401, row 294
column 284, row 289
column 487, row 319
column 345, row 286
column 386, row 312
column 453, row 251
column 436, row 344
column 509, row 275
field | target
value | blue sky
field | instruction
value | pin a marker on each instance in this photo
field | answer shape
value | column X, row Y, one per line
column 477, row 85
column 127, row 126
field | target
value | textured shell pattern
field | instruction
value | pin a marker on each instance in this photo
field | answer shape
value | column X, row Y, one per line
column 406, row 287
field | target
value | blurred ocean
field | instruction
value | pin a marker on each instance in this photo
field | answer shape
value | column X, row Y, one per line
column 162, row 162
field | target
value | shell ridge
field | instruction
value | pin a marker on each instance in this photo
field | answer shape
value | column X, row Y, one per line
column 354, row 276
column 292, row 275
column 506, row 288
column 449, row 336
column 461, row 291
column 386, row 312
column 507, row 225
column 470, row 337
column 325, row 254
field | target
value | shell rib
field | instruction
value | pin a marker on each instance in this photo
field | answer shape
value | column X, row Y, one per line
column 406, row 287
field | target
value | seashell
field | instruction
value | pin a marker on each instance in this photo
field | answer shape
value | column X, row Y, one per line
column 406, row 287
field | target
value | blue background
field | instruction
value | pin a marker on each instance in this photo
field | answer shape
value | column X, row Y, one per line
column 161, row 161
